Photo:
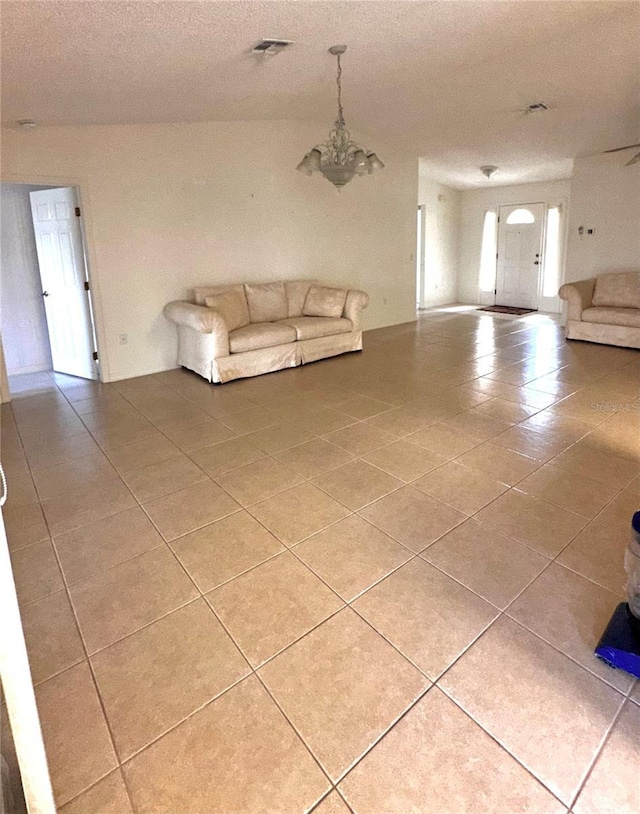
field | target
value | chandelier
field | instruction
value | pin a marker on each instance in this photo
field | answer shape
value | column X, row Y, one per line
column 339, row 158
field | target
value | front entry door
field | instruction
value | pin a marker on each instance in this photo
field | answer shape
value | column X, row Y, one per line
column 519, row 255
column 63, row 274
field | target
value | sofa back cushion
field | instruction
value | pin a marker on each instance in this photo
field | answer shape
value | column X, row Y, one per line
column 618, row 290
column 267, row 302
column 297, row 291
column 201, row 292
column 324, row 302
column 233, row 307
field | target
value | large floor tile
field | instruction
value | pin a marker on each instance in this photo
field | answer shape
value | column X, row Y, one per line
column 467, row 490
column 76, row 738
column 595, row 461
column 341, row 687
column 536, row 523
column 223, row 550
column 24, row 524
column 238, row 754
column 271, row 606
column 358, row 439
column 570, row 491
column 279, row 437
column 152, row 680
column 116, row 602
column 36, row 572
column 72, row 475
column 108, row 796
column 188, row 436
column 492, row 565
column 86, row 505
column 225, row 456
column 298, row 513
column 443, row 440
column 143, row 453
column 314, row 457
column 107, row 542
column 404, row 460
column 356, row 484
column 190, row 509
column 352, row 555
column 413, row 518
column 612, row 786
column 436, row 760
column 541, row 691
column 598, row 551
column 51, row 634
column 571, row 613
column 258, row 481
column 158, row 479
column 427, row 615
column 501, row 464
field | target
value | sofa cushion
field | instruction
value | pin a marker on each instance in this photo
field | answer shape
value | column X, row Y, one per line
column 260, row 335
column 201, row 292
column 324, row 302
column 313, row 327
column 233, row 307
column 267, row 302
column 618, row 290
column 297, row 291
column 626, row 317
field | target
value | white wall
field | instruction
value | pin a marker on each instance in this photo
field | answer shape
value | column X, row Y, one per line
column 22, row 318
column 169, row 206
column 473, row 205
column 442, row 223
column 605, row 196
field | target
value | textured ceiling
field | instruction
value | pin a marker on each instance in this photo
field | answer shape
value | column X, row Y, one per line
column 444, row 80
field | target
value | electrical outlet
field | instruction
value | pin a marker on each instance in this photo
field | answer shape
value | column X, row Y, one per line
column 123, row 339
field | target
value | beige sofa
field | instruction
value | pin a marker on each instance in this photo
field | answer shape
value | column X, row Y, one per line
column 604, row 309
column 235, row 331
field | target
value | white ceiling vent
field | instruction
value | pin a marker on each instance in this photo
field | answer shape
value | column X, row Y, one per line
column 270, row 47
column 536, row 107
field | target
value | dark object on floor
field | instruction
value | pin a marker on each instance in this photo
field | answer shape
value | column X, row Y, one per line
column 620, row 643
column 508, row 309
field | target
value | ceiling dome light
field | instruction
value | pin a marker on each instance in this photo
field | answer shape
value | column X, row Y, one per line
column 488, row 170
column 339, row 158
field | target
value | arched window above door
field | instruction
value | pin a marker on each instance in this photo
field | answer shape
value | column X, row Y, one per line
column 520, row 216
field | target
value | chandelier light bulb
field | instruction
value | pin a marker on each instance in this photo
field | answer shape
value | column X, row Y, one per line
column 339, row 158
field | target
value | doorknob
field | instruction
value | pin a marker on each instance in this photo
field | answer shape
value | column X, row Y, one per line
column 536, row 262
column 45, row 293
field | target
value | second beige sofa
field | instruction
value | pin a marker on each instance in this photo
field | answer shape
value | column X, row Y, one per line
column 604, row 309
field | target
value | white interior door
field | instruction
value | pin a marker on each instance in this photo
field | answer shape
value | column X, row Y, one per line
column 64, row 281
column 519, row 255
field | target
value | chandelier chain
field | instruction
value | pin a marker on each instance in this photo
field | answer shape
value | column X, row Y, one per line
column 339, row 84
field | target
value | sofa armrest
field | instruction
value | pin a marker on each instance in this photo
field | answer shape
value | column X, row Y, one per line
column 355, row 304
column 202, row 320
column 579, row 296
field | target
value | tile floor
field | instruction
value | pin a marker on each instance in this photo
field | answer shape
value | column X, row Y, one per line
column 372, row 584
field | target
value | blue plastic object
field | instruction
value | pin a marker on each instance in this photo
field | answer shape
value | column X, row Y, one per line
column 620, row 643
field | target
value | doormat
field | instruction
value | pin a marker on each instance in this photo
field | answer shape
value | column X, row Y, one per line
column 508, row 309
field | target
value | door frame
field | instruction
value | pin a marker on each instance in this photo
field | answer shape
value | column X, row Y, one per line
column 86, row 228
column 543, row 240
column 562, row 202
column 421, row 229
